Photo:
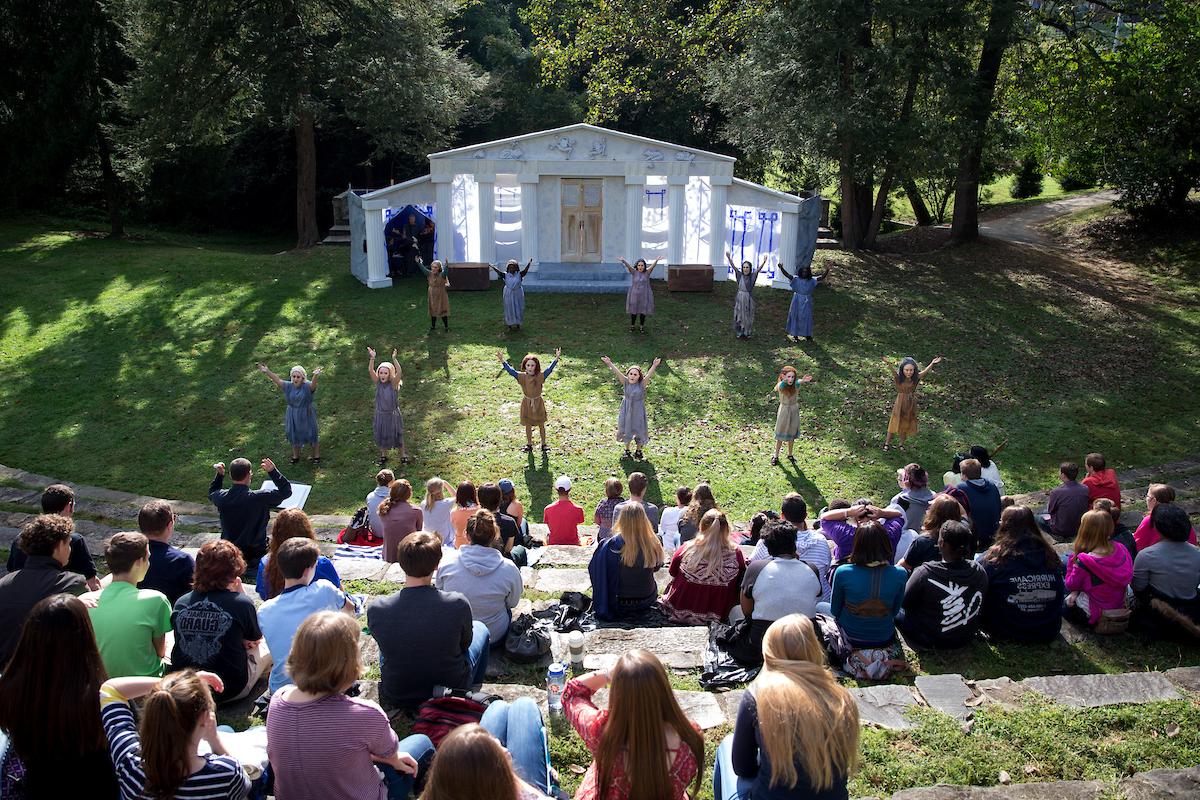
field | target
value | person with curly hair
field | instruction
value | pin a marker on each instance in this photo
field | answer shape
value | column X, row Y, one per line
column 46, row 542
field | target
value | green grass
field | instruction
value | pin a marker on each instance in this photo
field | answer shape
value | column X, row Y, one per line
column 131, row 365
column 1108, row 654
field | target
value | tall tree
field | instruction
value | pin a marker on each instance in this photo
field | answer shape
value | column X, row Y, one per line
column 206, row 68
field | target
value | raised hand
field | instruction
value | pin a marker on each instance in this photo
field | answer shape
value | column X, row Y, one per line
column 937, row 360
column 219, row 467
column 263, row 367
column 557, row 352
column 806, row 379
column 268, row 465
column 656, row 362
column 395, row 360
column 212, row 679
column 371, row 352
column 500, row 356
column 318, row 371
column 606, row 360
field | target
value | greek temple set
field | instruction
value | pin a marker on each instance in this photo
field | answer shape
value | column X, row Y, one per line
column 574, row 200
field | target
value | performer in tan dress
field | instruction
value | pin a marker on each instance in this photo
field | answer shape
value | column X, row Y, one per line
column 533, row 408
column 439, row 300
column 787, row 419
column 903, row 422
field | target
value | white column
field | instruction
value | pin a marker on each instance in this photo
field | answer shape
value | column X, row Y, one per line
column 789, row 227
column 717, row 233
column 487, row 220
column 443, row 217
column 377, row 263
column 529, row 220
column 676, row 200
column 634, row 188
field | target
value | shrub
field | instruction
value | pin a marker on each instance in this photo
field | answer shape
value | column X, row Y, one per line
column 1028, row 180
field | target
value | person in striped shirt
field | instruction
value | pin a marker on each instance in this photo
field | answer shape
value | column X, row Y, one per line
column 160, row 759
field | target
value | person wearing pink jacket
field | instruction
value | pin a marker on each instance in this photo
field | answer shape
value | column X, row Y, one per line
column 1098, row 572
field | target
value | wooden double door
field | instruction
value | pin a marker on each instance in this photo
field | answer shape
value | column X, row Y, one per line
column 582, row 219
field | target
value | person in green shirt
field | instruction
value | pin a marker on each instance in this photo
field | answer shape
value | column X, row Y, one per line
column 131, row 624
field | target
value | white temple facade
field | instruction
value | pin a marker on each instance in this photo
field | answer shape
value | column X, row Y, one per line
column 576, row 199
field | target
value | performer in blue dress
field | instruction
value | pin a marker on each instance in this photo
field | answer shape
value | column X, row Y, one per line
column 800, row 315
column 300, row 419
column 514, row 293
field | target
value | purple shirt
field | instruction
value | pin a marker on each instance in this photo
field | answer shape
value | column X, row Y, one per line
column 842, row 534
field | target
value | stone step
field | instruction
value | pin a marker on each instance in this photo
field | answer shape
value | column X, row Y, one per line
column 572, row 286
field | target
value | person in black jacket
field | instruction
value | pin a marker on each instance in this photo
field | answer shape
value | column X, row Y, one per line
column 59, row 499
column 244, row 511
column 46, row 540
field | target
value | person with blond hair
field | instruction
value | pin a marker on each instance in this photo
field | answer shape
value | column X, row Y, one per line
column 632, row 428
column 300, row 419
column 797, row 729
column 705, row 574
column 159, row 759
column 291, row 523
column 642, row 745
column 388, row 425
column 1098, row 571
column 399, row 517
column 436, row 508
column 622, row 567
column 323, row 743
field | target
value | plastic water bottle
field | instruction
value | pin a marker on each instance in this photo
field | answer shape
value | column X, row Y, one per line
column 556, row 679
column 575, row 646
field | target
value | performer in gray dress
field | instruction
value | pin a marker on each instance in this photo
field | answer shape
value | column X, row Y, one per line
column 389, row 424
column 743, row 304
column 514, row 293
column 300, row 419
column 639, row 302
column 631, row 423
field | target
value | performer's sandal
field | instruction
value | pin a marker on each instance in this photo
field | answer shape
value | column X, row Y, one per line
column 545, row 448
column 527, row 448
column 627, row 453
column 295, row 460
column 774, row 461
column 638, row 455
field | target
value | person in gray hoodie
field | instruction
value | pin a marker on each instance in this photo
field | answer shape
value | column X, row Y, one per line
column 490, row 581
column 914, row 496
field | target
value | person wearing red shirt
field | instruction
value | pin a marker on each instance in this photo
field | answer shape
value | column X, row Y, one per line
column 1100, row 482
column 563, row 517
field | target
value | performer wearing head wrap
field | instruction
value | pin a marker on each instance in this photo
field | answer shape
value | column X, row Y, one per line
column 300, row 419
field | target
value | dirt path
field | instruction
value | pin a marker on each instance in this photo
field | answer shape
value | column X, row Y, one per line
column 1024, row 226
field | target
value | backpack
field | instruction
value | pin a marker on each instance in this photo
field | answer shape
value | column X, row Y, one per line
column 359, row 532
column 448, row 709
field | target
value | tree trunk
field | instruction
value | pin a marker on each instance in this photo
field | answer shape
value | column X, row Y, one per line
column 920, row 210
column 112, row 188
column 889, row 171
column 964, row 226
column 306, row 178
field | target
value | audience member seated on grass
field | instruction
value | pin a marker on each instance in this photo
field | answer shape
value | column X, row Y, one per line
column 436, row 508
column 987, row 467
column 705, row 574
column 323, row 744
column 490, row 582
column 1025, row 582
column 171, row 569
column 1098, row 571
column 46, row 542
column 509, row 504
column 811, row 546
column 509, row 541
column 398, row 518
column 953, row 477
column 131, row 624
column 606, row 509
column 1165, row 576
column 291, row 523
column 426, row 636
column 984, row 498
column 383, row 479
column 245, row 512
column 796, row 734
column 473, row 761
column 52, row 716
column 772, row 589
column 841, row 521
column 1121, row 533
column 1067, row 503
column 642, row 745
column 668, row 520
column 177, row 714
column 914, row 495
column 216, row 626
column 925, row 548
column 689, row 520
column 1100, row 482
column 60, row 499
column 868, row 591
column 622, row 567
column 562, row 516
column 1159, row 494
column 638, row 483
column 302, row 596
column 466, row 503
column 757, row 523
column 943, row 599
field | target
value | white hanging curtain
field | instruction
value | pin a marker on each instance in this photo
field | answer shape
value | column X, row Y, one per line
column 754, row 233
column 655, row 219
column 508, row 221
column 464, row 206
column 696, row 220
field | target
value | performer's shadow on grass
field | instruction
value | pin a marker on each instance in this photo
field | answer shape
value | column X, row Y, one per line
column 539, row 480
column 799, row 481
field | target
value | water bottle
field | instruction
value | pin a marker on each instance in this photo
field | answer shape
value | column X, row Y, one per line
column 556, row 679
column 575, row 646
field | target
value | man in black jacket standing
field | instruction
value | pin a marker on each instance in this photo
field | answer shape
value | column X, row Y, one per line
column 244, row 511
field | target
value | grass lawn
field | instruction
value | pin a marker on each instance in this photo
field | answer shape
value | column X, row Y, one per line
column 131, row 365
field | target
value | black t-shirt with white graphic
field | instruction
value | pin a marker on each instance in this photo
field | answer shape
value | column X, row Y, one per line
column 943, row 602
column 211, row 629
